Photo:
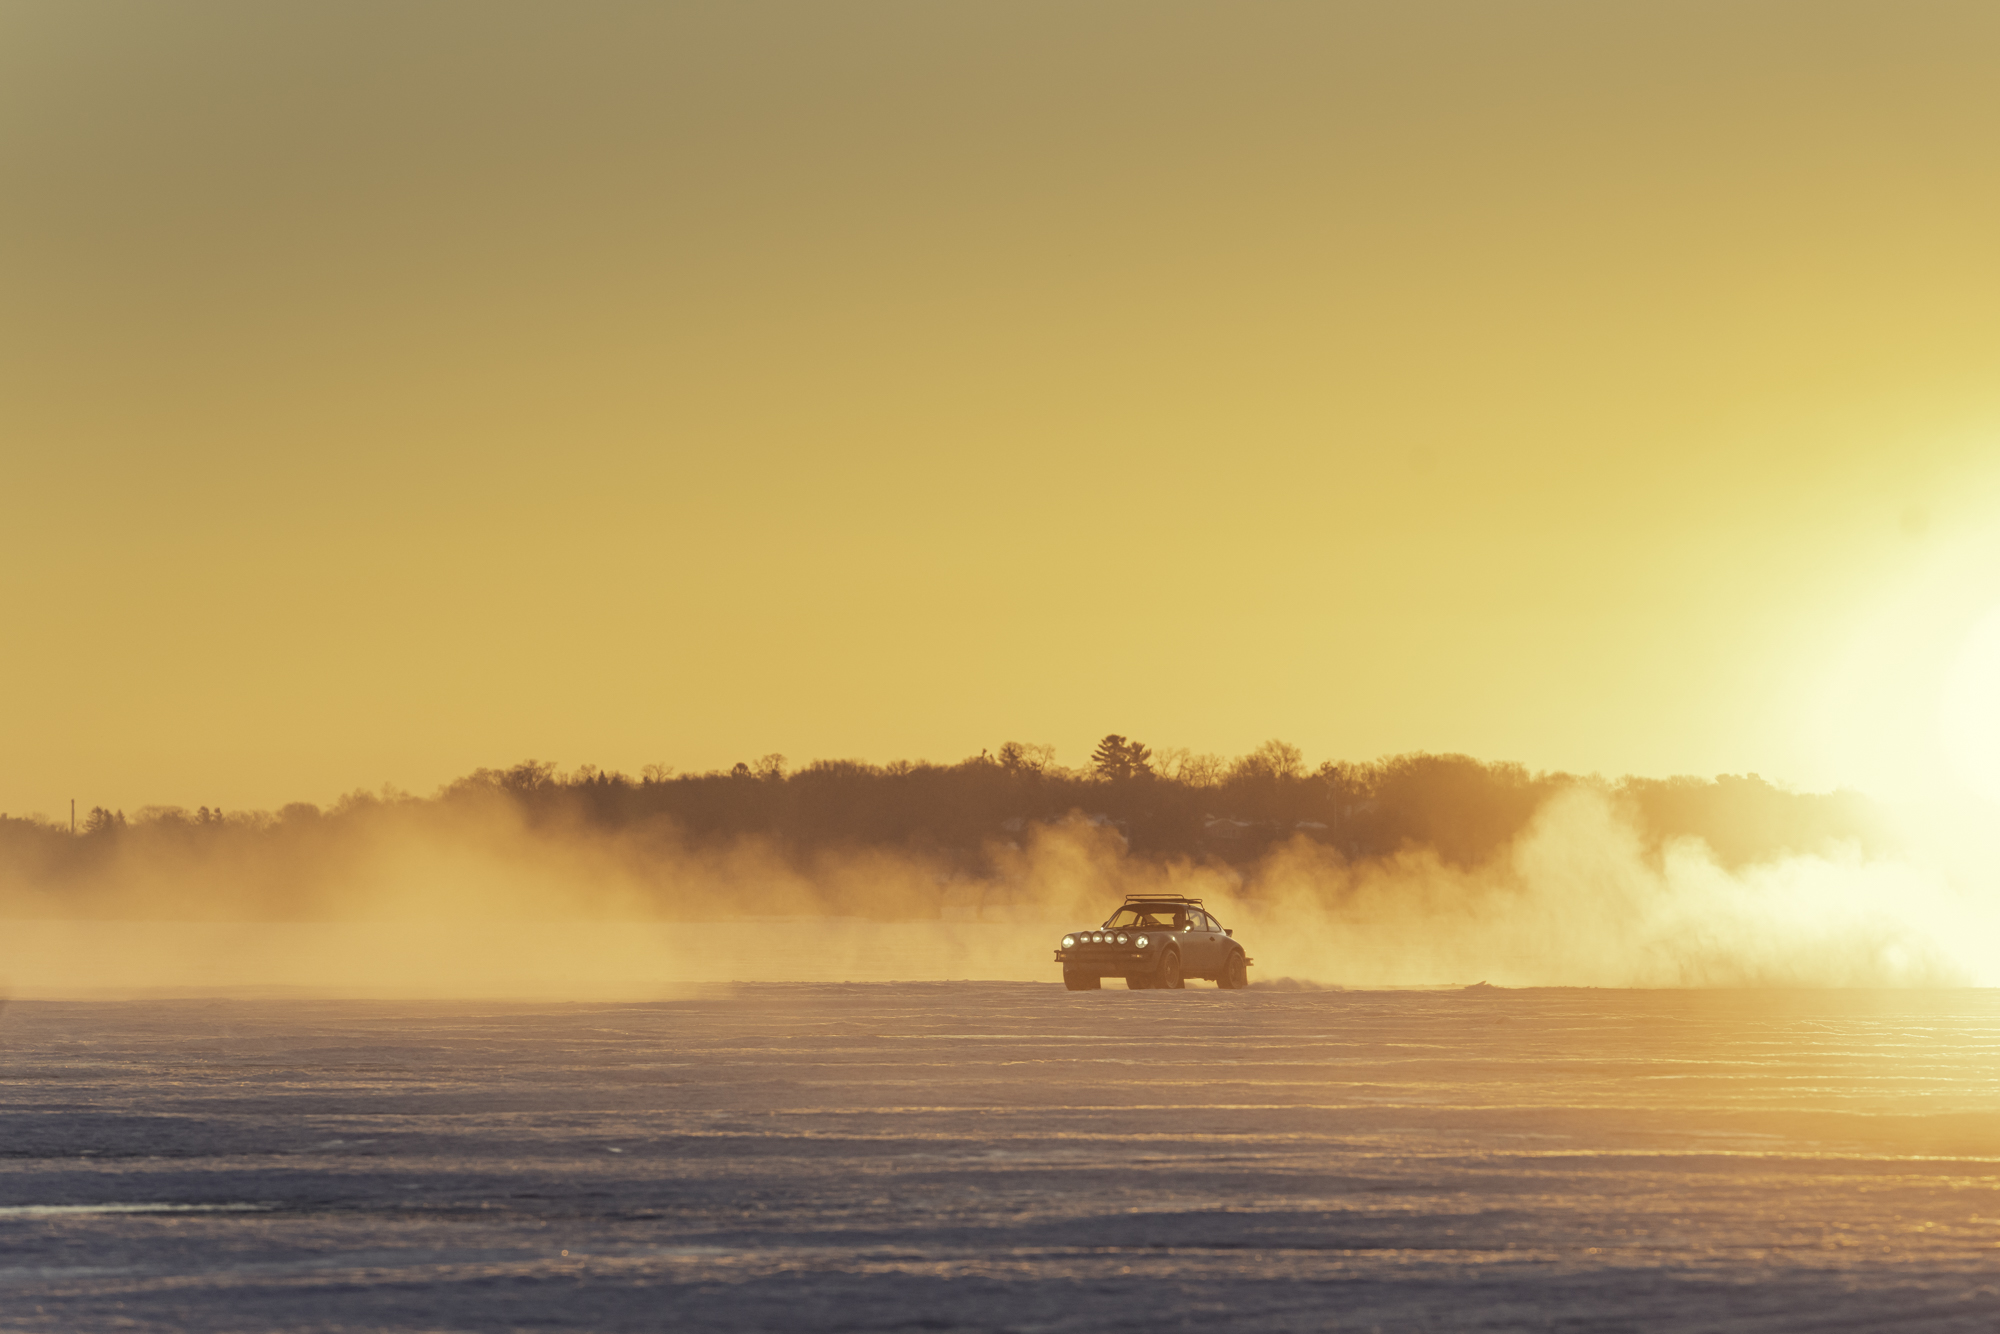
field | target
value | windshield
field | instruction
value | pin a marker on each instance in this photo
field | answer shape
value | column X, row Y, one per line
column 1156, row 915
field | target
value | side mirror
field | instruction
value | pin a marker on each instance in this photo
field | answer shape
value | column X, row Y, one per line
column 1227, row 932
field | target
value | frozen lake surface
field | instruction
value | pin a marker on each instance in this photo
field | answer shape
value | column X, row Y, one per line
column 1006, row 1156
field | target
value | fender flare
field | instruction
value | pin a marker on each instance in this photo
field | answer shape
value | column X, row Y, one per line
column 1222, row 974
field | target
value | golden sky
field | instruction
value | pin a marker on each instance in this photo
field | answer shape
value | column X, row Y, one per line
column 391, row 389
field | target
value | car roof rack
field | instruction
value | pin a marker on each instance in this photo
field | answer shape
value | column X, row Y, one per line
column 1159, row 898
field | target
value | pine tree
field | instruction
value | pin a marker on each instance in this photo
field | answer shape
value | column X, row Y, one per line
column 1116, row 758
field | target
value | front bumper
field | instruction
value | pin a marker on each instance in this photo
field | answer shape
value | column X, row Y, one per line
column 1110, row 960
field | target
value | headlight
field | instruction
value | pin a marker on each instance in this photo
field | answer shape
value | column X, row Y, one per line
column 1121, row 940
column 1069, row 941
column 1140, row 942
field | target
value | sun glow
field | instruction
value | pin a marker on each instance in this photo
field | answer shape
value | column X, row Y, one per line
column 1908, row 710
column 1908, row 700
column 1969, row 710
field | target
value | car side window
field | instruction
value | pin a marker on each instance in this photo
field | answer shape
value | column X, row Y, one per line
column 1214, row 925
column 1196, row 920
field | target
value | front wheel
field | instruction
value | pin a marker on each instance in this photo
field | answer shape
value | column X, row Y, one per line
column 1082, row 981
column 1140, row 983
column 1169, row 976
column 1235, row 976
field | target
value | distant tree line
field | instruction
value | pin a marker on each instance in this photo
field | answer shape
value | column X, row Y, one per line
column 1166, row 805
column 1181, row 805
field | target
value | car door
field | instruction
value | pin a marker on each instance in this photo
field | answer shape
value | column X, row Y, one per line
column 1224, row 946
column 1203, row 951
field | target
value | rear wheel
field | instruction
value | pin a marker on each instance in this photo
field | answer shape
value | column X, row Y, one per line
column 1082, row 981
column 1235, row 976
column 1169, row 976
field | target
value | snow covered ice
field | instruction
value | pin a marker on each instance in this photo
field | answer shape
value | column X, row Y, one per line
column 1006, row 1156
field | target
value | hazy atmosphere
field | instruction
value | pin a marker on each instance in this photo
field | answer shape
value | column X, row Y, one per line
column 1025, row 667
column 1418, row 870
column 393, row 390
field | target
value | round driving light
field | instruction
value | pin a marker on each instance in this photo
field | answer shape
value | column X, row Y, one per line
column 1121, row 940
column 1068, row 941
column 1140, row 942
